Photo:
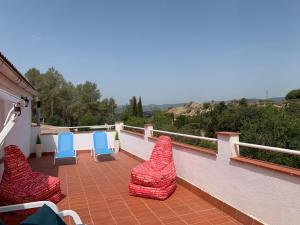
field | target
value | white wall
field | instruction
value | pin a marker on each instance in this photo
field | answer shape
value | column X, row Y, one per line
column 1, row 127
column 269, row 196
column 21, row 133
column 82, row 141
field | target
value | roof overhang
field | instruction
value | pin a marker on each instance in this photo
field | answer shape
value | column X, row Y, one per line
column 8, row 70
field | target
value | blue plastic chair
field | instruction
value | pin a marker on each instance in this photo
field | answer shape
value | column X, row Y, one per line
column 100, row 144
column 65, row 146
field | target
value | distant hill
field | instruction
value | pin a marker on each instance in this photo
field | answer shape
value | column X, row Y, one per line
column 275, row 100
column 192, row 108
column 152, row 107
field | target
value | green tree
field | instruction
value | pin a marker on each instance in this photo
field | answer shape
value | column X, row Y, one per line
column 51, row 83
column 140, row 108
column 274, row 127
column 206, row 105
column 243, row 102
column 293, row 95
column 107, row 110
column 136, row 121
column 55, row 120
column 88, row 92
column 180, row 121
column 62, row 103
column 33, row 76
column 87, row 120
column 161, row 120
column 134, row 106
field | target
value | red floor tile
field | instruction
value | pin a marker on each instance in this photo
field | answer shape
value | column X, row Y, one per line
column 98, row 192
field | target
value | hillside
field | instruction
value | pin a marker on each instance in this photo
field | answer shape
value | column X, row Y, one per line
column 190, row 109
column 152, row 107
column 193, row 108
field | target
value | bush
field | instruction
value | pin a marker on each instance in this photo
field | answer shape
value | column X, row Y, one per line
column 55, row 120
column 136, row 121
column 294, row 94
column 87, row 120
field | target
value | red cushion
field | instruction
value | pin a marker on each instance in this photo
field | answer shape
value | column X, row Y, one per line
column 16, row 166
column 162, row 153
column 155, row 178
column 21, row 185
column 144, row 175
column 149, row 192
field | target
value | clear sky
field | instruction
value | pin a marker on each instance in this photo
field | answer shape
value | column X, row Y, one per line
column 165, row 51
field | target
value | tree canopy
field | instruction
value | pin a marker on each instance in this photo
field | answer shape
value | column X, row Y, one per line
column 63, row 103
column 293, row 94
column 260, row 123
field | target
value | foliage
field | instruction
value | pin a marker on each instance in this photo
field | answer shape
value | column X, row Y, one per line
column 161, row 120
column 293, row 94
column 136, row 121
column 133, row 109
column 264, row 124
column 180, row 121
column 87, row 120
column 140, row 108
column 55, row 120
column 63, row 103
column 274, row 127
column 133, row 106
column 206, row 105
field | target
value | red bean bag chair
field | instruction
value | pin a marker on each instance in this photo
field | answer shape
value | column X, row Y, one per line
column 155, row 178
column 20, row 184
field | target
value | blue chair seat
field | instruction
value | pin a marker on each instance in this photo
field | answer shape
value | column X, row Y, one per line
column 65, row 154
column 104, row 151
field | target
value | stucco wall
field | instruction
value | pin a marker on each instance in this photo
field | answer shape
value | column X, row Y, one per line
column 269, row 196
column 1, row 127
column 21, row 133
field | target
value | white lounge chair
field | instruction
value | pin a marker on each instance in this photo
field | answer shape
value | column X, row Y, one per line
column 32, row 205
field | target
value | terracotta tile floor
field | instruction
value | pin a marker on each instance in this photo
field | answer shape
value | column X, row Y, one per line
column 98, row 192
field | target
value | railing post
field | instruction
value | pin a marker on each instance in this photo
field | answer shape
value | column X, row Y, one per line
column 118, row 127
column 148, row 130
column 226, row 147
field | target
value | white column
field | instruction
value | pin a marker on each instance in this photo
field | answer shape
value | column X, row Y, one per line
column 148, row 130
column 226, row 147
column 118, row 127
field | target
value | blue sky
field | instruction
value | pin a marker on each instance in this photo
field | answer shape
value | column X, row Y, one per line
column 165, row 51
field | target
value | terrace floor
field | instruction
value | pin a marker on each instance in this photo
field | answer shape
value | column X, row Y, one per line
column 98, row 192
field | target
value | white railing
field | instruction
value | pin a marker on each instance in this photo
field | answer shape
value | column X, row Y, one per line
column 268, row 148
column 243, row 144
column 106, row 126
column 138, row 128
column 176, row 134
column 187, row 135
